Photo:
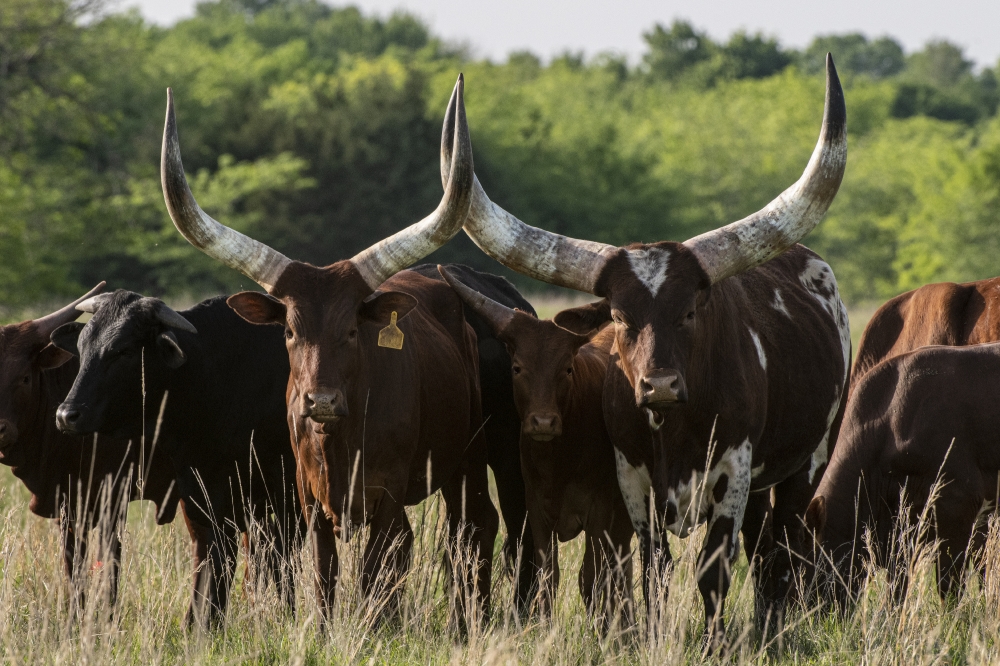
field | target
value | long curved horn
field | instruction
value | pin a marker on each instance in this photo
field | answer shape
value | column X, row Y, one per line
column 497, row 314
column 387, row 257
column 50, row 322
column 767, row 233
column 257, row 261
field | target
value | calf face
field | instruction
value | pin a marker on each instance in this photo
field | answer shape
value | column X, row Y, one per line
column 126, row 349
column 542, row 355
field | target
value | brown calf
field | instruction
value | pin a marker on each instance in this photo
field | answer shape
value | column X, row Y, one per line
column 566, row 454
column 374, row 429
column 909, row 419
column 71, row 478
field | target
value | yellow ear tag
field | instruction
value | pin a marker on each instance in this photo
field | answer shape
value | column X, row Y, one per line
column 391, row 336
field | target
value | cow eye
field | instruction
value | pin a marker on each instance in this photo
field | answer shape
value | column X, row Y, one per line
column 353, row 333
column 289, row 334
column 26, row 380
column 516, row 369
column 569, row 370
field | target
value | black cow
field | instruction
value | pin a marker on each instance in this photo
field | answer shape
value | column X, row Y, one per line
column 221, row 384
column 80, row 481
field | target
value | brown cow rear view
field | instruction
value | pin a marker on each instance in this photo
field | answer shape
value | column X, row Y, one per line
column 911, row 418
column 571, row 484
column 935, row 314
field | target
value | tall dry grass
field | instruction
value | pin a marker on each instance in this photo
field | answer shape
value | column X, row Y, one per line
column 38, row 624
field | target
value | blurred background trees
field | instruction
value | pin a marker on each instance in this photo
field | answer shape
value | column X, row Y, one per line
column 316, row 130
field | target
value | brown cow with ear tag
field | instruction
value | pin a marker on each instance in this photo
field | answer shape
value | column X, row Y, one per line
column 368, row 422
column 571, row 485
column 69, row 475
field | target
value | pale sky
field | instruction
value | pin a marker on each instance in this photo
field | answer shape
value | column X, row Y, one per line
column 547, row 27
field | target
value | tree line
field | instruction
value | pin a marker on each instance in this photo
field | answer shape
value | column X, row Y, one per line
column 316, row 130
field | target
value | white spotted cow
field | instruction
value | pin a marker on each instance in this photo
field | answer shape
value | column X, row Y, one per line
column 730, row 363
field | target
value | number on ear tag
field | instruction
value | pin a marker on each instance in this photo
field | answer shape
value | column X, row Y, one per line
column 391, row 336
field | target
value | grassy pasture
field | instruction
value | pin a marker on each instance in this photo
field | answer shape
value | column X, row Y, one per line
column 36, row 625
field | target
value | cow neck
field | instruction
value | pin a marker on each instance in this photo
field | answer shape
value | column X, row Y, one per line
column 51, row 458
column 840, row 488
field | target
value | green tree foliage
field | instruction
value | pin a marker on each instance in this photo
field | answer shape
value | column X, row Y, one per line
column 316, row 130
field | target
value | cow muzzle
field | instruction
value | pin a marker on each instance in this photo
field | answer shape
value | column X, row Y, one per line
column 660, row 389
column 325, row 406
column 542, row 427
column 68, row 418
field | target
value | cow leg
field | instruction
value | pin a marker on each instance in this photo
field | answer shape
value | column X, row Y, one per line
column 472, row 527
column 543, row 558
column 758, row 541
column 386, row 558
column 721, row 544
column 503, row 438
column 74, row 547
column 789, row 548
column 956, row 515
column 222, row 558
column 200, row 538
column 112, row 557
column 280, row 561
column 324, row 540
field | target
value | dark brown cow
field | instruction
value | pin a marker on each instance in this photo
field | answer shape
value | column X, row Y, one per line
column 375, row 429
column 566, row 454
column 80, row 481
column 735, row 346
column 910, row 418
column 935, row 314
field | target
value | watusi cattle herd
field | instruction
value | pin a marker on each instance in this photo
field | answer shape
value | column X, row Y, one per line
column 710, row 385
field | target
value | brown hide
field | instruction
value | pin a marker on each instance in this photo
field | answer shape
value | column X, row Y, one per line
column 901, row 420
column 935, row 314
column 68, row 475
column 402, row 412
column 781, row 399
column 568, row 462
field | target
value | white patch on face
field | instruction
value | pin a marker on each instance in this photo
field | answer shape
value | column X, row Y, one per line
column 635, row 484
column 760, row 348
column 779, row 304
column 693, row 499
column 822, row 453
column 649, row 266
column 818, row 279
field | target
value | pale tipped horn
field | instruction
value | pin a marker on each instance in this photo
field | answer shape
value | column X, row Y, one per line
column 387, row 257
column 50, row 322
column 256, row 260
column 767, row 233
column 496, row 314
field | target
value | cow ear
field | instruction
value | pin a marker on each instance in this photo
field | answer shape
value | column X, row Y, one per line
column 258, row 308
column 378, row 307
column 52, row 357
column 65, row 337
column 816, row 515
column 585, row 319
column 170, row 350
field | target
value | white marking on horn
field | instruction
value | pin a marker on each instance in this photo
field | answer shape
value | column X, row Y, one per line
column 760, row 348
column 650, row 267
